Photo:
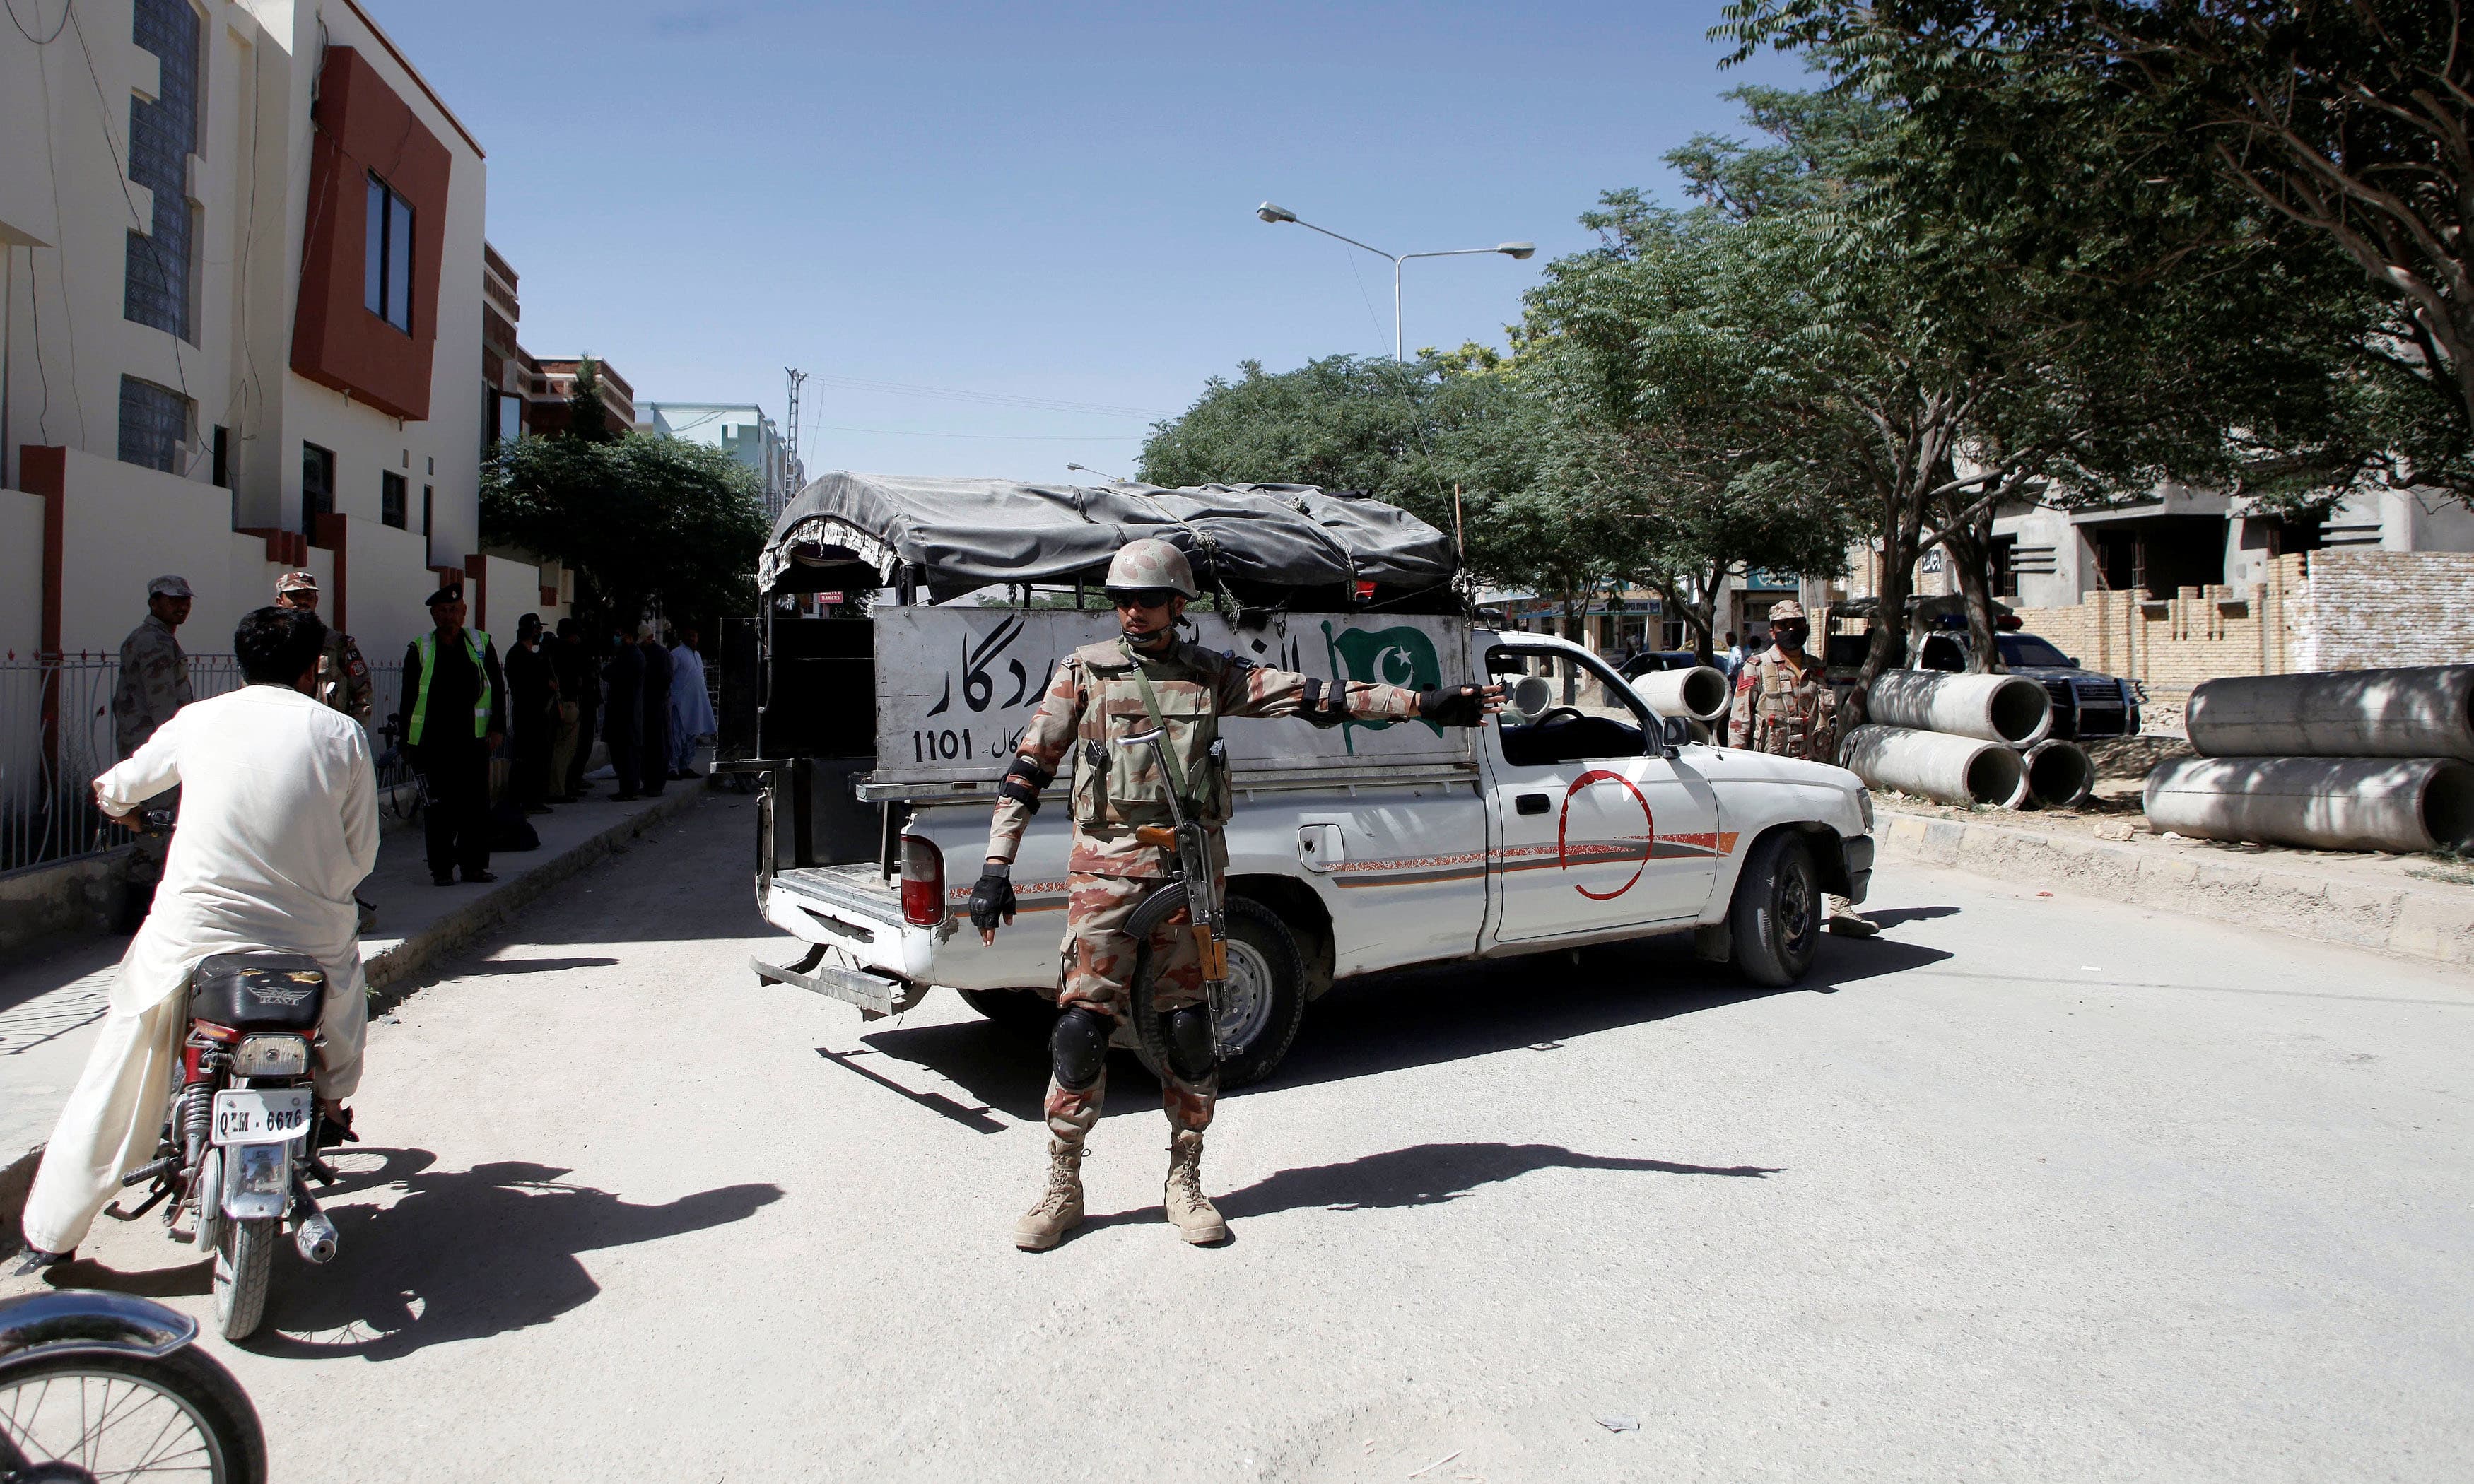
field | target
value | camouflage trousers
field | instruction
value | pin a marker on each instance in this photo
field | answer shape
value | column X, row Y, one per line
column 1099, row 971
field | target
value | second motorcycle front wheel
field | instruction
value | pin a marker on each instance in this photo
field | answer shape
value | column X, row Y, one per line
column 244, row 1260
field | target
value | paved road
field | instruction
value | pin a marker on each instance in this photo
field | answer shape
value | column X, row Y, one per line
column 2030, row 1189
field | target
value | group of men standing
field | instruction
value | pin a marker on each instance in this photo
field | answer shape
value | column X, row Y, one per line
column 459, row 703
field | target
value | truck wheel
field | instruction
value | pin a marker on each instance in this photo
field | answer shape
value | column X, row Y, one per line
column 1775, row 918
column 1024, row 1012
column 1267, row 995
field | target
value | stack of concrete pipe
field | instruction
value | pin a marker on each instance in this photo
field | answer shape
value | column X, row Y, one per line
column 2341, row 760
column 1966, row 739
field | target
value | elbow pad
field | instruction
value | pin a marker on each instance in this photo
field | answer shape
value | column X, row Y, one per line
column 1023, row 782
column 1325, row 706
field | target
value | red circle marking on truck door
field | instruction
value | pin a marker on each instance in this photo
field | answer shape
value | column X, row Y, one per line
column 1649, row 828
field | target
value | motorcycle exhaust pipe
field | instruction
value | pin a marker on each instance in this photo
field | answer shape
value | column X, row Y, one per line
column 316, row 1237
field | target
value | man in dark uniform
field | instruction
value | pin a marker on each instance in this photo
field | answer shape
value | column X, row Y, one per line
column 653, row 750
column 578, row 661
column 622, row 715
column 454, row 714
column 532, row 716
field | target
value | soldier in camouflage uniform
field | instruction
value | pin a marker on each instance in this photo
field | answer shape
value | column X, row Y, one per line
column 1111, row 690
column 154, row 684
column 1784, row 705
column 343, row 675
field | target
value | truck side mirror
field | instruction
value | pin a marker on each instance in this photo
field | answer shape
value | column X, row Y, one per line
column 1673, row 733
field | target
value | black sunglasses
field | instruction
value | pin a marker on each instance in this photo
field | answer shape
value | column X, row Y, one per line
column 1142, row 597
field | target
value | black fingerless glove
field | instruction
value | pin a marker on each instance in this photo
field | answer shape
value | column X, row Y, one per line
column 1452, row 706
column 991, row 900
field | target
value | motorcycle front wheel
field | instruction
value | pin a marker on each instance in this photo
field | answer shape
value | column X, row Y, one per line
column 244, row 1257
column 174, row 1418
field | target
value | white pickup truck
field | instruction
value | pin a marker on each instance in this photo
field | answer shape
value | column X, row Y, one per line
column 1352, row 850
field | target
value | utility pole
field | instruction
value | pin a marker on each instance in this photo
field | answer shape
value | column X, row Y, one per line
column 794, row 472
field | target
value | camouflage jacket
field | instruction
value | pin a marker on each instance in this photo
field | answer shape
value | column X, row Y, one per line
column 154, row 684
column 1095, row 697
column 1784, row 708
column 343, row 677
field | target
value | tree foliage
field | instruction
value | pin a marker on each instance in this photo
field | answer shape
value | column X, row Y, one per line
column 649, row 523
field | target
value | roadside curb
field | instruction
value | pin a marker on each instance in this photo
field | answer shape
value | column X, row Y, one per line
column 2431, row 924
column 392, row 973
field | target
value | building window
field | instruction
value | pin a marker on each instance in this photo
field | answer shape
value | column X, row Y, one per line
column 429, row 507
column 158, row 278
column 505, row 421
column 317, row 487
column 154, row 424
column 391, row 492
column 386, row 268
column 221, row 444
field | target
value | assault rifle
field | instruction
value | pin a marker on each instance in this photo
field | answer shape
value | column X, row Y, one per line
column 1196, row 885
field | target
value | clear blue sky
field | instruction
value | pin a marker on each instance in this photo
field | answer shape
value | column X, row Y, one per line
column 1043, row 201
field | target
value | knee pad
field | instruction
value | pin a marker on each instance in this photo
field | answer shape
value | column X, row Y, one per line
column 1078, row 1047
column 1187, row 1030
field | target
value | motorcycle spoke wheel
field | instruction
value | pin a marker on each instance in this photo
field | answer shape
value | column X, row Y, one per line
column 108, row 1419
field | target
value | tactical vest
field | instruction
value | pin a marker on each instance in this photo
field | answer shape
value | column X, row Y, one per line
column 1794, row 716
column 427, row 643
column 1123, row 786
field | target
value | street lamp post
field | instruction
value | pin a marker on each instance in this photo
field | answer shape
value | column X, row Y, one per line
column 1512, row 250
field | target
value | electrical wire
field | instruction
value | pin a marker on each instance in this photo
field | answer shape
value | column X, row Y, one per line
column 1008, row 437
column 11, row 7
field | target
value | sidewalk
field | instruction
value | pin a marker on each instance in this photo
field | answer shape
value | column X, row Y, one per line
column 50, row 1007
column 2416, row 906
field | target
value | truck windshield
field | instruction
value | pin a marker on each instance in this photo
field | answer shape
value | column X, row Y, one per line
column 2026, row 649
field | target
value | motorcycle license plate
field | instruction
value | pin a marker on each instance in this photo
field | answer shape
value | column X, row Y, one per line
column 262, row 1116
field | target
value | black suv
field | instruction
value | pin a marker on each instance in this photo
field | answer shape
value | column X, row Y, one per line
column 2084, row 704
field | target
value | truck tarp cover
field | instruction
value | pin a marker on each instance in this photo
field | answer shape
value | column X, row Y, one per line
column 970, row 533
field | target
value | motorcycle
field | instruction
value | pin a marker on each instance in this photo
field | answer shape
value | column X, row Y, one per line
column 242, row 1142
column 106, row 1386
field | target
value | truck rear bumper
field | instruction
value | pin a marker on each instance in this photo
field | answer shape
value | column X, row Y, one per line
column 875, row 995
column 856, row 916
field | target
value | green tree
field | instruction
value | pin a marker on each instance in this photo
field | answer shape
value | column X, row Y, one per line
column 647, row 522
column 588, row 417
column 2312, row 155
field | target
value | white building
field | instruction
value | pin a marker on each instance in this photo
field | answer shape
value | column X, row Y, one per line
column 740, row 430
column 243, row 323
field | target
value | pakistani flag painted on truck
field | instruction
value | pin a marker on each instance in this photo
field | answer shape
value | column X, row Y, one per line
column 1398, row 655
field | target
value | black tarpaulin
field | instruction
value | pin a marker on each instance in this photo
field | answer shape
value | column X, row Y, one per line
column 967, row 534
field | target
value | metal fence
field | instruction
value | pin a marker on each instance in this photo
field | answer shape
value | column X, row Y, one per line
column 56, row 738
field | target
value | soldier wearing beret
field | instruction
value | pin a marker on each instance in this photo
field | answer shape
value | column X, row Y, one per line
column 343, row 675
column 454, row 715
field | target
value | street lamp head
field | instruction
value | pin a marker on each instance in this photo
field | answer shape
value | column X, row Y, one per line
column 1271, row 213
column 1519, row 248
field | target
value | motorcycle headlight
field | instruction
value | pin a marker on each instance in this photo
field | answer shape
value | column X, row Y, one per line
column 270, row 1056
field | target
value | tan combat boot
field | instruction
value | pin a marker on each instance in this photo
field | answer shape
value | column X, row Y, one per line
column 1196, row 1218
column 1061, row 1206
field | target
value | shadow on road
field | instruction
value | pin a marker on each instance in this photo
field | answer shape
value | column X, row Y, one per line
column 1892, row 917
column 1387, row 1022
column 1431, row 1174
column 463, row 1254
column 526, row 966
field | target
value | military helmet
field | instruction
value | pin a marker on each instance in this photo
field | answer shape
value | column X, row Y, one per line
column 1151, row 563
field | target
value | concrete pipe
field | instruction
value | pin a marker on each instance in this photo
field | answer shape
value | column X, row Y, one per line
column 2060, row 774
column 1700, row 693
column 2400, row 804
column 1936, row 765
column 2422, row 712
column 1989, row 707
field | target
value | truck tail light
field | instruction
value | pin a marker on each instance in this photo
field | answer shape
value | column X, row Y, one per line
column 923, row 882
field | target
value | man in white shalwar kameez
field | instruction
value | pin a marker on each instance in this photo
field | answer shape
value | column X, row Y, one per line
column 279, row 823
column 691, row 708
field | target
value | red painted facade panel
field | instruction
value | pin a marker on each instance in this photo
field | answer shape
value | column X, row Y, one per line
column 363, row 128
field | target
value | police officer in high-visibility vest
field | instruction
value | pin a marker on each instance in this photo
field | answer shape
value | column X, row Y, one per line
column 454, row 712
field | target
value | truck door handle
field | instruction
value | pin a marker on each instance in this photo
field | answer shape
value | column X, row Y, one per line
column 1531, row 803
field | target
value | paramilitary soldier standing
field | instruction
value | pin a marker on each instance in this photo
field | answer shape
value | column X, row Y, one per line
column 1783, row 705
column 343, row 675
column 154, row 684
column 1143, row 680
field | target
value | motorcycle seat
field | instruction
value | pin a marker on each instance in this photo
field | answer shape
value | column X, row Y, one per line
column 259, row 991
